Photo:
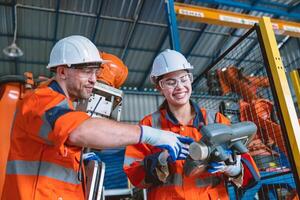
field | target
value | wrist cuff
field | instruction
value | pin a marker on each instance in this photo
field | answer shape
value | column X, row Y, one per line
column 141, row 135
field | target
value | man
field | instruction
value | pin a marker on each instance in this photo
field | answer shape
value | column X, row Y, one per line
column 48, row 134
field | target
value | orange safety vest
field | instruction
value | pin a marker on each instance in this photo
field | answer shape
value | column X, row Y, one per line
column 178, row 186
column 40, row 165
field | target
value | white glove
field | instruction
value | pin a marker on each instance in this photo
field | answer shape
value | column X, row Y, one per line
column 90, row 156
column 176, row 145
column 229, row 170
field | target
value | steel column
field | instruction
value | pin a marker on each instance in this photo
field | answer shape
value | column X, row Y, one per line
column 173, row 29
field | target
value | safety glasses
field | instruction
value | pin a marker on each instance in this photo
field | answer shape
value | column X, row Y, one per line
column 87, row 72
column 172, row 83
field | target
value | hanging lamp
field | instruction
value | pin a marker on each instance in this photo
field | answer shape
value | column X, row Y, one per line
column 13, row 50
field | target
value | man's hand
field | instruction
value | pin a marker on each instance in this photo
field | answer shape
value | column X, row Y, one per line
column 176, row 145
column 229, row 170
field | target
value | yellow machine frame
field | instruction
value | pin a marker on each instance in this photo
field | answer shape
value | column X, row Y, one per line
column 296, row 83
column 283, row 93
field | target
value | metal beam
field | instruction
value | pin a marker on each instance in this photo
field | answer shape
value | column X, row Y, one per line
column 194, row 43
column 250, row 7
column 97, row 22
column 50, row 40
column 246, row 52
column 291, row 26
column 225, row 43
column 116, row 19
column 213, row 58
column 155, row 24
column 174, row 36
column 232, row 19
column 173, row 29
column 145, row 77
column 45, row 63
column 136, row 15
column 294, row 7
column 26, row 37
column 233, row 31
column 199, row 77
column 252, row 46
column 25, row 62
column 143, row 23
column 56, row 21
column 152, row 51
column 198, row 38
column 270, row 3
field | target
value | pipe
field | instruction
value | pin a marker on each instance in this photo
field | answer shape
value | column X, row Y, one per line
column 12, row 78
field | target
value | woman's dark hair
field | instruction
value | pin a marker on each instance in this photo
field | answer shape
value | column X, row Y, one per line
column 158, row 79
column 164, row 105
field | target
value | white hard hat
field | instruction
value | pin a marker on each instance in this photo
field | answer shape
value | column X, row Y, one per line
column 168, row 61
column 72, row 50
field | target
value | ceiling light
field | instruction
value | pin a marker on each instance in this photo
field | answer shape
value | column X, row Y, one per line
column 13, row 50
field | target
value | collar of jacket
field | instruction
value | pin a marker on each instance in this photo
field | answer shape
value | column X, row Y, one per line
column 198, row 120
column 56, row 87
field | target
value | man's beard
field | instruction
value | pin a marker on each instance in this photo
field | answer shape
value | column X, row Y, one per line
column 79, row 95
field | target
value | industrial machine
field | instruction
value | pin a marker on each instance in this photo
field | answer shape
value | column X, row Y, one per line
column 219, row 138
column 106, row 102
column 251, row 92
column 219, row 142
column 255, row 107
column 12, row 89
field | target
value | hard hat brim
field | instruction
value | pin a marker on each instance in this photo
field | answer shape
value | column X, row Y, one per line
column 86, row 64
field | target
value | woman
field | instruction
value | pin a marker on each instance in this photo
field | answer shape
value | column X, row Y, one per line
column 146, row 166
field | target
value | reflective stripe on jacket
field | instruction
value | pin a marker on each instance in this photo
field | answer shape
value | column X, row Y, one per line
column 178, row 186
column 40, row 165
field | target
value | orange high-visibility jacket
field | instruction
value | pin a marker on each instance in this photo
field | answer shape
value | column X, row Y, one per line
column 178, row 186
column 40, row 164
